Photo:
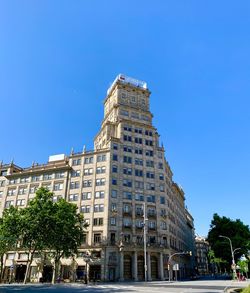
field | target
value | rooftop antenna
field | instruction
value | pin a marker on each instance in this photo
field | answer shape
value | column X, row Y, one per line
column 72, row 151
column 84, row 148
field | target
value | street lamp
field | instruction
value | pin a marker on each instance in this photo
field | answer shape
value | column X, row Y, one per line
column 232, row 252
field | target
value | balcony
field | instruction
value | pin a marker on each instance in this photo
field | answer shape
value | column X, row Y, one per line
column 127, row 212
column 151, row 214
column 127, row 225
column 139, row 213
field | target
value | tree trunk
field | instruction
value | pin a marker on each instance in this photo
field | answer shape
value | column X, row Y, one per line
column 56, row 270
column 28, row 269
column 1, row 268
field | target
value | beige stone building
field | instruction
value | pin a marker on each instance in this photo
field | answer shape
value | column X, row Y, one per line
column 202, row 248
column 125, row 174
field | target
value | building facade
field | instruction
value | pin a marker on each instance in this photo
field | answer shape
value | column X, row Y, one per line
column 122, row 187
column 202, row 248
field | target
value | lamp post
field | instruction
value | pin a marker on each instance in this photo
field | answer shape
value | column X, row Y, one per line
column 145, row 241
column 232, row 252
column 87, row 259
column 170, row 258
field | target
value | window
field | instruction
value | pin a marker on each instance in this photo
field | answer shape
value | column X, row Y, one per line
column 97, row 238
column 150, row 198
column 139, row 185
column 99, row 194
column 113, row 207
column 138, row 162
column 11, row 192
column 139, row 224
column 127, row 128
column 127, row 149
column 162, row 200
column 73, row 197
column 46, row 185
column 138, row 140
column 127, row 138
column 152, row 225
column 159, row 155
column 127, row 171
column 98, row 208
column 87, row 183
column 161, row 176
column 112, row 221
column 127, row 208
column 115, row 146
column 22, row 190
column 115, row 157
column 139, row 197
column 135, row 115
column 9, row 203
column 163, row 225
column 114, row 193
column 114, row 169
column 162, row 187
column 35, row 178
column 150, row 164
column 101, row 158
column 3, row 172
column 127, row 223
column 127, row 160
column 85, row 209
column 11, row 256
column 1, row 194
column 24, row 179
column 97, row 221
column 88, row 171
column 138, row 173
column 100, row 182
column 138, row 151
column 139, row 210
column 59, row 175
column 160, row 165
column 148, row 142
column 100, row 170
column 149, row 153
column 138, row 130
column 150, row 175
column 86, row 195
column 127, row 182
column 58, row 186
column 150, row 186
column 75, row 173
column 127, row 195
column 148, row 132
column 114, row 181
column 89, row 160
column 20, row 202
column 2, row 183
column 76, row 162
column 13, row 181
column 74, row 185
column 47, row 176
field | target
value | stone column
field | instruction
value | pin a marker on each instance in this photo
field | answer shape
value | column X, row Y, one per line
column 161, row 269
column 149, row 266
column 135, row 271
column 121, row 266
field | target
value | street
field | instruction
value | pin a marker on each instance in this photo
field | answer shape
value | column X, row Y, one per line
column 210, row 286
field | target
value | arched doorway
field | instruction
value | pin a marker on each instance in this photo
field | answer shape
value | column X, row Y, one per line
column 154, row 267
column 140, row 267
column 127, row 267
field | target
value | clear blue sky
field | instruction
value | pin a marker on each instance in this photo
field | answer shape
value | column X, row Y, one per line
column 57, row 59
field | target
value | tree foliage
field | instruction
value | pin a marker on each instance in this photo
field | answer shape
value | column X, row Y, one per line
column 235, row 230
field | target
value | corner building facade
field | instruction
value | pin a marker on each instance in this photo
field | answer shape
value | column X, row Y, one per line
column 125, row 177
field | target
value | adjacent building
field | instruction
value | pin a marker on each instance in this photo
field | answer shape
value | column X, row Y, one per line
column 202, row 248
column 122, row 187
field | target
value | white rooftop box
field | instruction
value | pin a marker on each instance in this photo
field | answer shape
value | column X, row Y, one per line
column 56, row 158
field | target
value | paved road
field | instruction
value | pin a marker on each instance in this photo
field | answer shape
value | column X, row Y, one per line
column 212, row 286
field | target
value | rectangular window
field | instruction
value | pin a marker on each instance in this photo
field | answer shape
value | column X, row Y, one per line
column 35, row 178
column 150, row 186
column 127, row 128
column 74, row 185
column 86, row 195
column 100, row 182
column 11, row 192
column 114, row 193
column 138, row 162
column 47, row 176
column 76, row 162
column 127, row 182
column 73, row 197
column 58, row 186
column 127, row 138
column 127, row 160
column 113, row 207
column 149, row 153
column 75, row 173
column 9, row 203
column 100, row 170
column 161, row 177
column 59, row 175
column 98, row 208
column 115, row 146
column 162, row 187
column 139, row 197
column 88, row 171
column 20, row 202
column 162, row 200
column 99, row 194
column 139, row 185
column 97, row 221
column 87, row 183
column 101, row 158
column 97, row 238
column 127, row 149
column 24, row 179
column 114, row 181
column 160, row 165
column 85, row 209
column 150, row 164
column 150, row 175
column 115, row 157
column 138, row 151
column 138, row 140
column 138, row 130
column 138, row 173
column 127, row 171
column 114, row 169
column 151, row 198
column 127, row 195
column 22, row 190
column 88, row 160
column 112, row 221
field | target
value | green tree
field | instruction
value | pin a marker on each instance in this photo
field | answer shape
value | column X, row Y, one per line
column 215, row 262
column 36, row 222
column 235, row 230
column 66, row 234
column 9, row 233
